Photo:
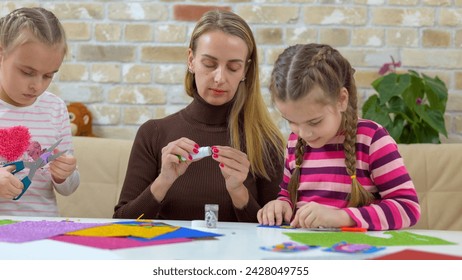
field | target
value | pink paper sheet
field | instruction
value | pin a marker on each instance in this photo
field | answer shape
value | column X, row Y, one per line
column 114, row 242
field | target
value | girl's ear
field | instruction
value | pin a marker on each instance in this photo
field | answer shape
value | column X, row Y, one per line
column 343, row 100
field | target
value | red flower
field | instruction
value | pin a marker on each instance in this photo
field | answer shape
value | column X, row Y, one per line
column 389, row 67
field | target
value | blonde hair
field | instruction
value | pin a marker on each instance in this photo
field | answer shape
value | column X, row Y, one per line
column 296, row 72
column 17, row 27
column 250, row 124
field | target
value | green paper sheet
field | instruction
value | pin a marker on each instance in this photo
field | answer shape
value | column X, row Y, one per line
column 397, row 238
column 7, row 222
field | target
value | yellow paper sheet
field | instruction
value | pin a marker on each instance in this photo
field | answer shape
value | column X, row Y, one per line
column 124, row 230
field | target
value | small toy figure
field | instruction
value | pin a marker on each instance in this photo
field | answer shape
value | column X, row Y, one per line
column 81, row 119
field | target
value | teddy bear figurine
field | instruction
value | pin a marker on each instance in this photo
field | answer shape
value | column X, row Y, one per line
column 81, row 119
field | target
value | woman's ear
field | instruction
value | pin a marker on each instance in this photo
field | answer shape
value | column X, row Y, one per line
column 1, row 54
column 190, row 60
column 343, row 100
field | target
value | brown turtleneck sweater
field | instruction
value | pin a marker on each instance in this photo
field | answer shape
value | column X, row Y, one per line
column 201, row 184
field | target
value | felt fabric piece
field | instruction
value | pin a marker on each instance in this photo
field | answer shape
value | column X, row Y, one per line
column 15, row 141
column 287, row 247
column 182, row 233
column 410, row 254
column 36, row 230
column 396, row 238
column 7, row 222
column 113, row 243
column 117, row 230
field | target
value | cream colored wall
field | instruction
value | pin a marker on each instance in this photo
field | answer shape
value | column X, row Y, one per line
column 127, row 58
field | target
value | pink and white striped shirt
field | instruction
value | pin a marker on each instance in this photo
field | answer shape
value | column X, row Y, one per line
column 48, row 121
column 380, row 169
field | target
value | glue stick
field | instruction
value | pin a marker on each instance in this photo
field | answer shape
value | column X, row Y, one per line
column 203, row 152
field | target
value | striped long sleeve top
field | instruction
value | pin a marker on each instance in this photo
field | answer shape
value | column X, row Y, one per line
column 48, row 121
column 380, row 169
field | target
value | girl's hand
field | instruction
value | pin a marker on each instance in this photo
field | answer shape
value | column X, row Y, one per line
column 62, row 167
column 10, row 186
column 172, row 166
column 234, row 166
column 314, row 215
column 275, row 213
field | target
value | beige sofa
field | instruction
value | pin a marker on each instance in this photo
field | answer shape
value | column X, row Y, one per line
column 435, row 170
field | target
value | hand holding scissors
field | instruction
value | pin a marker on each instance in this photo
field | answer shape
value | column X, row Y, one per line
column 43, row 160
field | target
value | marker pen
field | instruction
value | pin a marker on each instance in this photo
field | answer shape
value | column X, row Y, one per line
column 342, row 229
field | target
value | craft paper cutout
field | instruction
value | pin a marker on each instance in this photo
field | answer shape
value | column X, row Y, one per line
column 280, row 226
column 397, row 238
column 7, row 222
column 118, row 230
column 410, row 254
column 348, row 248
column 112, row 243
column 287, row 247
column 36, row 230
column 182, row 233
column 15, row 141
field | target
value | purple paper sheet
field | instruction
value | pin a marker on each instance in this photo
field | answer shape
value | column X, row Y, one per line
column 36, row 230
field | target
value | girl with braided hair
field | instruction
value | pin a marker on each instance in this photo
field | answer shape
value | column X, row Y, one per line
column 339, row 170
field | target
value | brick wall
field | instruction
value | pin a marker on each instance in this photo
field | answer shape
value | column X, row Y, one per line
column 128, row 58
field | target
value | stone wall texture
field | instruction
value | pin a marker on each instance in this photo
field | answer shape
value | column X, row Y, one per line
column 127, row 59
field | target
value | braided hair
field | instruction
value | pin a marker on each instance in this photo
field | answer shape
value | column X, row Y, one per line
column 296, row 72
column 25, row 24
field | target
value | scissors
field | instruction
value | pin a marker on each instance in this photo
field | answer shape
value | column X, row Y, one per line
column 43, row 160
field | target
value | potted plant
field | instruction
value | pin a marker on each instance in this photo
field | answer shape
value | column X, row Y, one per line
column 409, row 105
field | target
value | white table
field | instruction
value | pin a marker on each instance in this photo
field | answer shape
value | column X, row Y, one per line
column 240, row 241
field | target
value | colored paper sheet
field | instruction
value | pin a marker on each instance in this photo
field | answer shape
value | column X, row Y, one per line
column 7, row 222
column 113, row 243
column 396, row 238
column 410, row 254
column 36, row 230
column 143, row 223
column 119, row 230
column 281, row 226
column 182, row 233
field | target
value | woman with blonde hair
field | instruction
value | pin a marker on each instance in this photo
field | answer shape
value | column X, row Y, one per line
column 164, row 179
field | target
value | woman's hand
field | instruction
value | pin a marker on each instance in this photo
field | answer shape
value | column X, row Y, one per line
column 172, row 165
column 275, row 213
column 234, row 166
column 314, row 215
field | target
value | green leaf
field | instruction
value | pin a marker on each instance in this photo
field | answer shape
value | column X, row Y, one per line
column 396, row 104
column 392, row 85
column 437, row 93
column 434, row 119
column 370, row 104
column 414, row 92
column 396, row 128
column 425, row 134
column 373, row 111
